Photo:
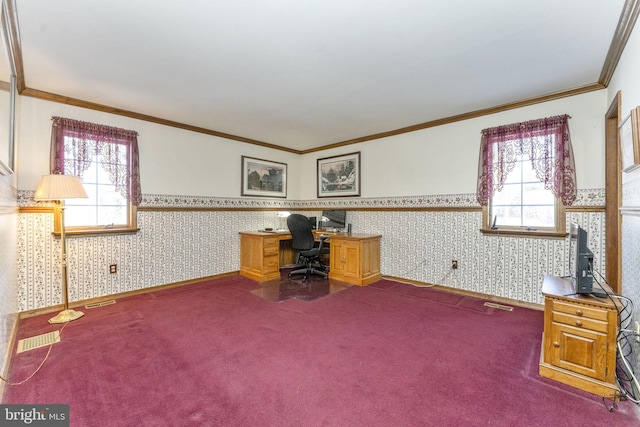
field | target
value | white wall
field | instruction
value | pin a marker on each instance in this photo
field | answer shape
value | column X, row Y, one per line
column 172, row 161
column 178, row 162
column 444, row 159
column 626, row 80
column 625, row 77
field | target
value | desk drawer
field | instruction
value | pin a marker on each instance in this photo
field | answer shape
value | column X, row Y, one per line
column 270, row 251
column 580, row 322
column 271, row 246
column 271, row 264
column 580, row 311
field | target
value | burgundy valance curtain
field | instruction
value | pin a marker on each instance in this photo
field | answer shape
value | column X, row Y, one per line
column 547, row 144
column 118, row 149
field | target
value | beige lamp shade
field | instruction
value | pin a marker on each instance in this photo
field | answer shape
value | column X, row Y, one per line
column 60, row 187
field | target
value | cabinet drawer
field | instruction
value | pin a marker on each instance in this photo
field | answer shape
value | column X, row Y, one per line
column 271, row 246
column 270, row 251
column 580, row 311
column 271, row 263
column 580, row 322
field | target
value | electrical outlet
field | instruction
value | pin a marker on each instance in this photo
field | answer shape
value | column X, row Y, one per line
column 454, row 264
column 636, row 330
column 113, row 268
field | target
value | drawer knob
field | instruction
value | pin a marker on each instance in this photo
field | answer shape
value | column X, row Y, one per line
column 579, row 313
column 556, row 344
column 578, row 323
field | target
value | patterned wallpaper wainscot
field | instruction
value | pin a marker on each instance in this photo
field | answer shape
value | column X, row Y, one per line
column 183, row 238
column 8, row 303
column 631, row 252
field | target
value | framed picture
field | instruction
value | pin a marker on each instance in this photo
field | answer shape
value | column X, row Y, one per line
column 263, row 178
column 339, row 176
column 630, row 141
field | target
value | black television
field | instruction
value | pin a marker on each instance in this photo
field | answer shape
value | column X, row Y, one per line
column 335, row 219
column 580, row 260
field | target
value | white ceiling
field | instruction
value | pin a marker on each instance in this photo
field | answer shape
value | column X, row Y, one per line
column 308, row 73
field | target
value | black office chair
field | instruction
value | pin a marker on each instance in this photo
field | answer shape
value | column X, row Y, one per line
column 309, row 259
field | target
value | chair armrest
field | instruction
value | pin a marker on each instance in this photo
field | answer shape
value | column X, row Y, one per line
column 322, row 240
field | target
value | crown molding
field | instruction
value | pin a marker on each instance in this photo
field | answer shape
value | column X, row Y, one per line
column 466, row 116
column 14, row 48
column 625, row 26
column 48, row 96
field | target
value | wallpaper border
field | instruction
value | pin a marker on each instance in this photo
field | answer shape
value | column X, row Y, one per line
column 587, row 197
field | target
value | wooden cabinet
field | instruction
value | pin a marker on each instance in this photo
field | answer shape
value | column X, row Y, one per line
column 355, row 258
column 260, row 256
column 579, row 340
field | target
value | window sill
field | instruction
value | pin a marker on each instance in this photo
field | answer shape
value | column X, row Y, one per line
column 523, row 233
column 97, row 232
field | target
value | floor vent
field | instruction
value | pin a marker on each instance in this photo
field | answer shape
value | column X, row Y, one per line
column 38, row 341
column 100, row 304
column 498, row 306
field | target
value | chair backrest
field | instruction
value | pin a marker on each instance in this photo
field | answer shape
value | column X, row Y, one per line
column 300, row 228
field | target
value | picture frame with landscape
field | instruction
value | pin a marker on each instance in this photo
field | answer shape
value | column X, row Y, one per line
column 339, row 176
column 630, row 141
column 263, row 178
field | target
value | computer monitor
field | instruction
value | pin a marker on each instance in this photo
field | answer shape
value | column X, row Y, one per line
column 580, row 260
column 334, row 218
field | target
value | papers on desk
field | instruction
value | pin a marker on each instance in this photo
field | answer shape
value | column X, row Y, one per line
column 279, row 231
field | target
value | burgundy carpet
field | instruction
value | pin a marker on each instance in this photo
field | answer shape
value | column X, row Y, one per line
column 389, row 354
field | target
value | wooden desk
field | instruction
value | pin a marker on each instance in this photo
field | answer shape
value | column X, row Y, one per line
column 579, row 340
column 353, row 258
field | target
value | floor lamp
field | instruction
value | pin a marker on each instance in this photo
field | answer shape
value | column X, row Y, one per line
column 59, row 188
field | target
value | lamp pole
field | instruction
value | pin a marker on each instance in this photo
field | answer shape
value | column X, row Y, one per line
column 57, row 188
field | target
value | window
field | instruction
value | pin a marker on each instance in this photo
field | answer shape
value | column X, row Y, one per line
column 106, row 161
column 105, row 207
column 524, row 203
column 526, row 177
